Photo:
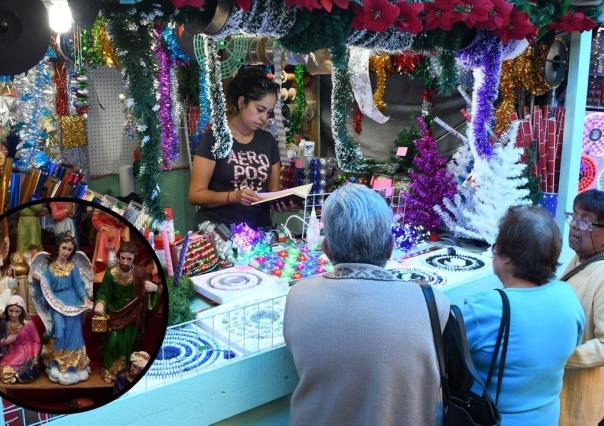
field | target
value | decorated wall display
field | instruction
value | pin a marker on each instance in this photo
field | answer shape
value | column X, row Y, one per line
column 593, row 134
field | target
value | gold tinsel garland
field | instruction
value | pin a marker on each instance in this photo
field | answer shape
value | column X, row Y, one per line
column 73, row 131
column 103, row 43
column 381, row 65
column 526, row 72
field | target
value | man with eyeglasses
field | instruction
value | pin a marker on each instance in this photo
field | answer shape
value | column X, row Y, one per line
column 582, row 403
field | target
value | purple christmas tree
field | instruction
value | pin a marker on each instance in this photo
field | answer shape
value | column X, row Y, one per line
column 430, row 182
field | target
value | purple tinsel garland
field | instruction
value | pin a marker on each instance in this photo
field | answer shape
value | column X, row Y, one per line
column 484, row 54
column 431, row 182
column 170, row 142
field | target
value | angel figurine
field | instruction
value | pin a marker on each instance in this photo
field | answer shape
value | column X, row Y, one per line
column 61, row 289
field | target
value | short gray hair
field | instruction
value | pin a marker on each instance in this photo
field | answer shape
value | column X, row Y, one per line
column 358, row 225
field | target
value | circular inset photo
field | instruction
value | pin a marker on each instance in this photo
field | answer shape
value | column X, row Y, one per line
column 83, row 305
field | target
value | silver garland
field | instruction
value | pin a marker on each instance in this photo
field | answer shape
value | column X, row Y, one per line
column 390, row 41
column 266, row 18
column 281, row 136
column 176, row 110
column 220, row 124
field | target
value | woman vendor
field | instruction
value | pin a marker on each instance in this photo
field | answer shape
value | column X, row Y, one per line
column 225, row 188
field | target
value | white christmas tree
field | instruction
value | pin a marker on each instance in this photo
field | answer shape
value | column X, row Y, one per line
column 496, row 183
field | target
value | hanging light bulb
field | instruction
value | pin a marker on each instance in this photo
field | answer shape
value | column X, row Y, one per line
column 59, row 16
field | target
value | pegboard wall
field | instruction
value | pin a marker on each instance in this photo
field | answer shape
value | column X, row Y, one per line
column 108, row 145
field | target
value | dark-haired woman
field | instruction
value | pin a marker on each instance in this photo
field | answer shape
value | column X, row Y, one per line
column 225, row 188
column 546, row 324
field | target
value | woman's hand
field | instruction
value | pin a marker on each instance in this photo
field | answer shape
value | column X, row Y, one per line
column 36, row 276
column 88, row 304
column 10, row 339
column 246, row 196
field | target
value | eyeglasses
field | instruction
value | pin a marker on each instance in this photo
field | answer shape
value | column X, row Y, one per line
column 582, row 224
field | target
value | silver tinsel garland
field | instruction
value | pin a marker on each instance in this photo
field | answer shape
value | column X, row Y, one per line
column 390, row 41
column 266, row 17
column 220, row 124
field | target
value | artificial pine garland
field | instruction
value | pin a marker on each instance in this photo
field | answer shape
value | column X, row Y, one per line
column 348, row 154
column 132, row 35
column 318, row 29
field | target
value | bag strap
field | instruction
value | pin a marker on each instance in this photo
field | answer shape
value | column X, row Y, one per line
column 438, row 337
column 595, row 258
column 503, row 335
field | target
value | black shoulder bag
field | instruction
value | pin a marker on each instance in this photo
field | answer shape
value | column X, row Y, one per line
column 462, row 406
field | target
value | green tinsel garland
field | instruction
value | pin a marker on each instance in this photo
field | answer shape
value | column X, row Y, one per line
column 296, row 123
column 132, row 35
column 180, row 301
column 318, row 30
column 459, row 37
column 348, row 153
column 447, row 73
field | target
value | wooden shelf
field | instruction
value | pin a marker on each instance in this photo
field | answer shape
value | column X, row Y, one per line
column 43, row 382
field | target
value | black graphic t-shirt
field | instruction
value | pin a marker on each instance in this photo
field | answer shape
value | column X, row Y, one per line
column 247, row 166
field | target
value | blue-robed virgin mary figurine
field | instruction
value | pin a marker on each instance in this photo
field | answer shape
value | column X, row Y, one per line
column 61, row 290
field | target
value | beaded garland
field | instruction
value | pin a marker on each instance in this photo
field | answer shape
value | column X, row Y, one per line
column 455, row 262
column 186, row 350
column 419, row 275
column 233, row 281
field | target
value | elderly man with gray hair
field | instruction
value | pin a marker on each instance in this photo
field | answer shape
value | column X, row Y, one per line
column 361, row 340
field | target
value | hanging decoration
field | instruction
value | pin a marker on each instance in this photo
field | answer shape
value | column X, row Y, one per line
column 390, row 41
column 169, row 138
column 173, row 46
column 204, row 92
column 381, row 65
column 524, row 72
column 220, row 124
column 35, row 104
column 358, row 67
column 234, row 50
column 132, row 35
column 431, row 182
column 318, row 29
column 278, row 110
column 73, row 131
column 103, row 44
column 265, row 18
column 62, row 97
column 348, row 153
column 484, row 56
column 300, row 100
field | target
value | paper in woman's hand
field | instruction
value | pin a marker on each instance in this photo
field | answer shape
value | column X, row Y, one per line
column 301, row 191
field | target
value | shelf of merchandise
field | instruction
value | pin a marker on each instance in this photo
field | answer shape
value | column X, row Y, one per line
column 253, row 388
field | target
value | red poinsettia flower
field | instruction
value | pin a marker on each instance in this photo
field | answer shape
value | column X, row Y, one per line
column 375, row 15
column 328, row 4
column 573, row 21
column 474, row 11
column 408, row 18
column 244, row 4
column 441, row 14
column 518, row 27
column 499, row 15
